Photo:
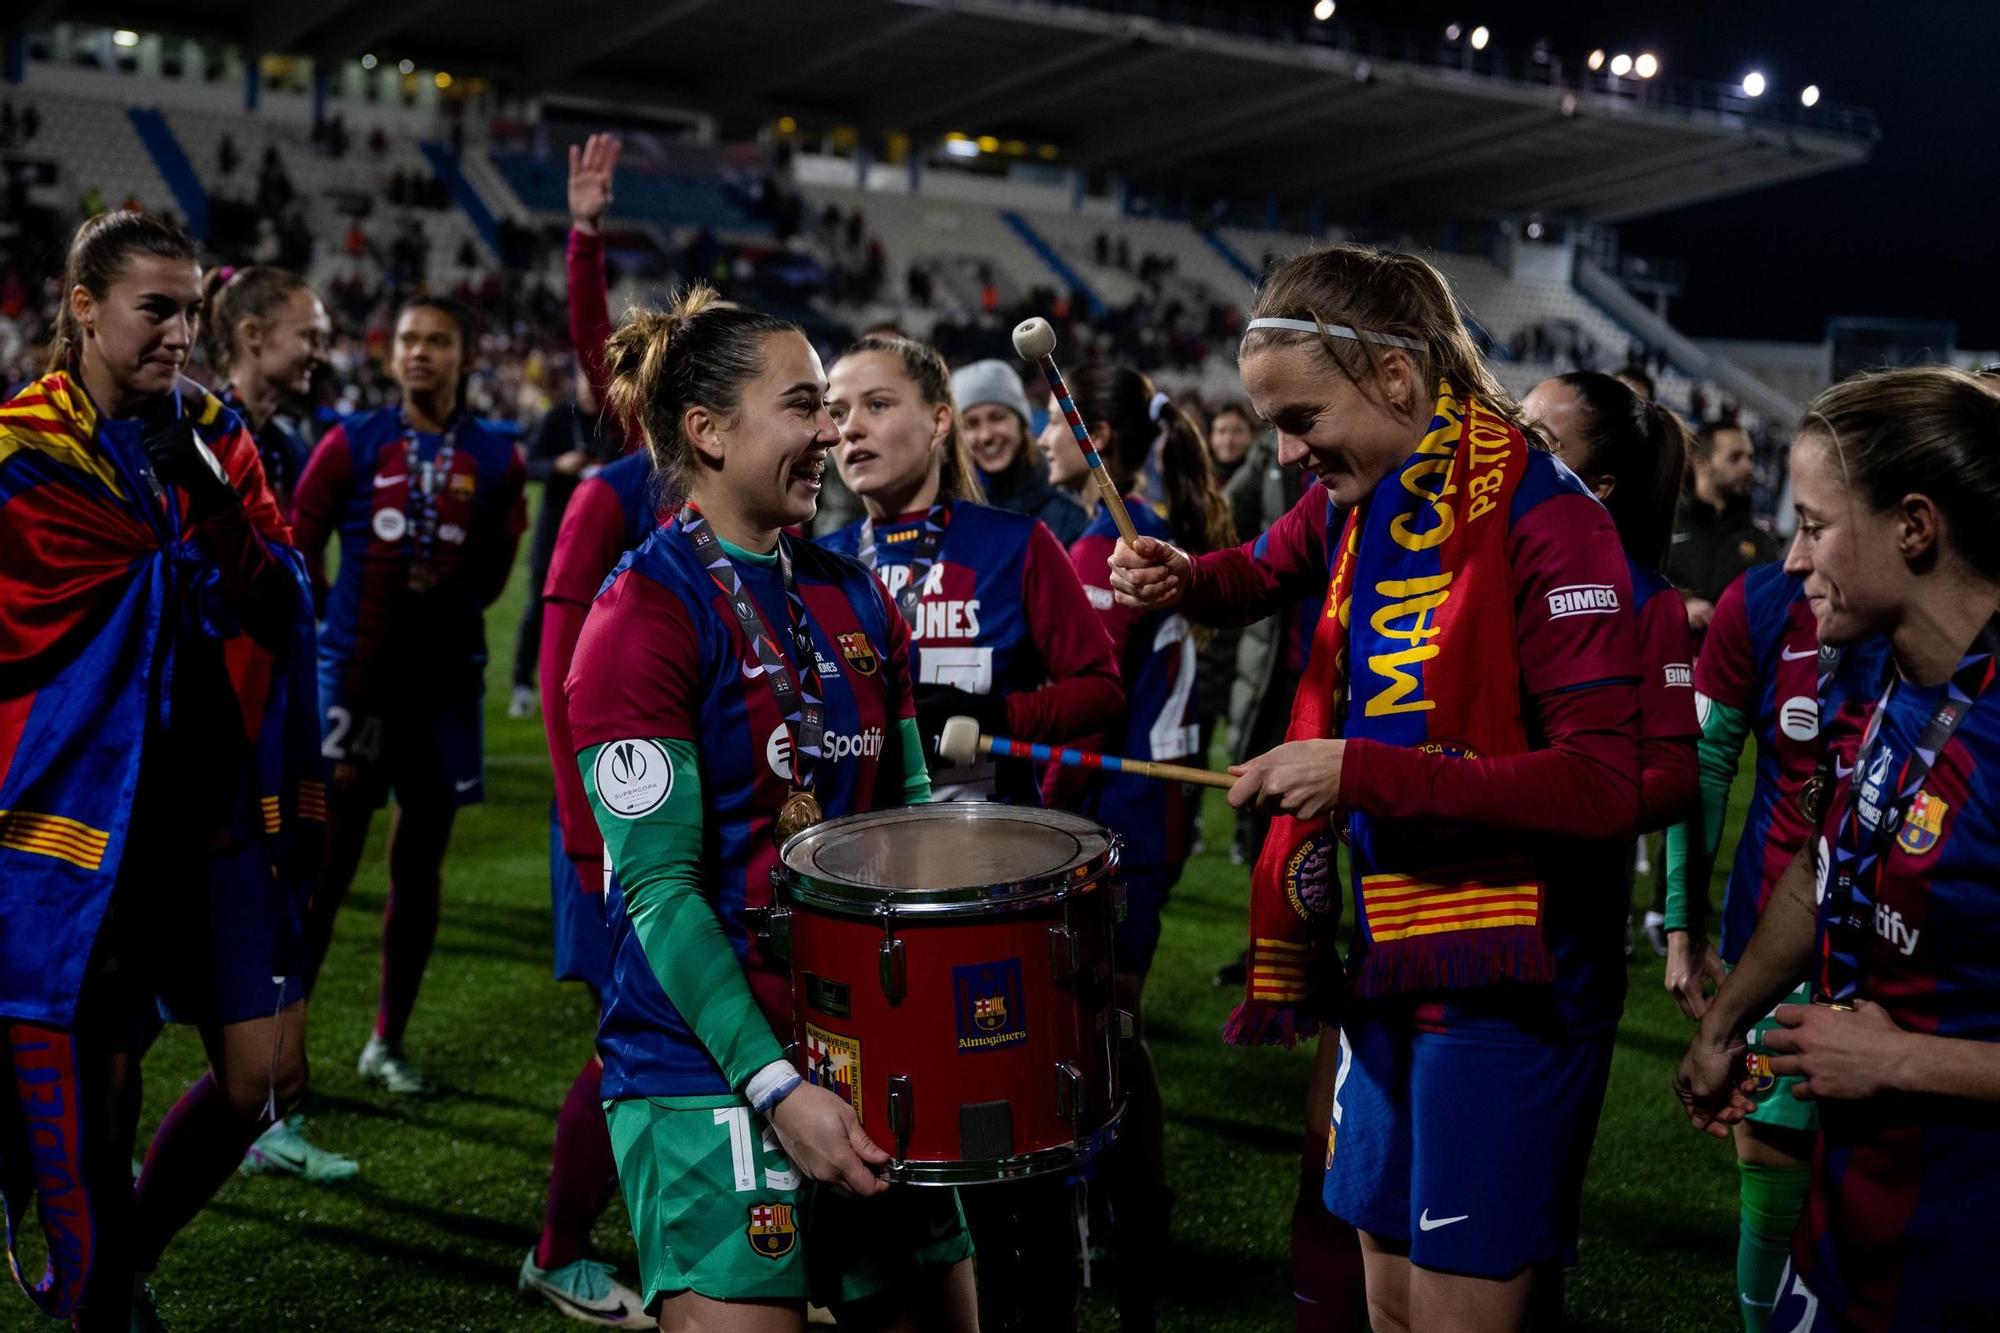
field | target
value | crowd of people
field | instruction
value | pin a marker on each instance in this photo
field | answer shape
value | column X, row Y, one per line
column 1479, row 644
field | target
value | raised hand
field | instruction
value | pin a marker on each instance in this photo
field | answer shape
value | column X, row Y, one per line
column 590, row 171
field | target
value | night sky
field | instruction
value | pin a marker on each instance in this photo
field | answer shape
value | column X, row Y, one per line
column 1914, row 233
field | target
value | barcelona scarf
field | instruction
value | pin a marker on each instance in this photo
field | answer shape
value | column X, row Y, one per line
column 101, row 576
column 1415, row 649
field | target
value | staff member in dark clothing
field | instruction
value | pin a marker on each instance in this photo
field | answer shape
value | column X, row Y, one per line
column 994, row 413
column 1715, row 536
column 569, row 446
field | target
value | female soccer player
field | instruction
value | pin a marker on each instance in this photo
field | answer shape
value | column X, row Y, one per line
column 160, row 797
column 1891, row 906
column 1632, row 454
column 999, row 626
column 1759, row 670
column 267, row 334
column 1131, row 422
column 731, row 687
column 609, row 514
column 429, row 507
column 1472, row 690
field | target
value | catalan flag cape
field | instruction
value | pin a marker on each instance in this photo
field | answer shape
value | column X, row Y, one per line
column 102, row 575
column 1416, row 649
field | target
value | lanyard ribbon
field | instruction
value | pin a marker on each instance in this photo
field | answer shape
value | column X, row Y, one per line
column 801, row 703
column 924, row 545
column 1860, row 845
column 426, row 483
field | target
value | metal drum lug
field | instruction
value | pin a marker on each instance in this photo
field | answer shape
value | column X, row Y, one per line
column 1065, row 955
column 902, row 1113
column 895, row 976
column 1069, row 1092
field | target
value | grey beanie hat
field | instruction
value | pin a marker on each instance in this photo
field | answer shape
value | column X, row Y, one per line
column 990, row 382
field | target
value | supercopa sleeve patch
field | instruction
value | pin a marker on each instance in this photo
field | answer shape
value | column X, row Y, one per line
column 634, row 777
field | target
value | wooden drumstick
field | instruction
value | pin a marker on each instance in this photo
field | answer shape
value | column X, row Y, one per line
column 961, row 742
column 1035, row 340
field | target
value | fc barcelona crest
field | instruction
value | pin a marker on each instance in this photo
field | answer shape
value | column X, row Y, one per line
column 860, row 654
column 1924, row 824
column 989, row 1001
column 464, row 485
column 772, row 1230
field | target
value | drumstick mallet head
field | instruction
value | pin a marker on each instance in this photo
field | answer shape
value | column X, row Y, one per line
column 1035, row 340
column 960, row 743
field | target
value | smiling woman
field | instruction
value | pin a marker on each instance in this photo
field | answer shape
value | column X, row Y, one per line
column 730, row 687
column 1471, row 690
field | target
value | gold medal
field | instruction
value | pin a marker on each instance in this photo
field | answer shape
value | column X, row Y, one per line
column 422, row 578
column 799, row 813
column 1812, row 798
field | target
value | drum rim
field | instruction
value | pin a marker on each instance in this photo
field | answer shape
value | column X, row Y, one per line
column 999, row 1170
column 807, row 889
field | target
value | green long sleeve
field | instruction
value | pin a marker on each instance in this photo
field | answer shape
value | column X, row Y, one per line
column 916, row 773
column 1691, row 844
column 657, row 852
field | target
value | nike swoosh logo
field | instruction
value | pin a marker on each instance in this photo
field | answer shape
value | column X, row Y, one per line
column 466, row 785
column 1428, row 1223
column 380, row 482
column 1791, row 656
column 1841, row 770
column 752, row 672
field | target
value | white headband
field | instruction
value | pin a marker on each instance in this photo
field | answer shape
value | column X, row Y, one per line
column 1336, row 330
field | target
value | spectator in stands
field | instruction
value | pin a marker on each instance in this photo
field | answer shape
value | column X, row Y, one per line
column 1231, row 432
column 1634, row 377
column 994, row 412
column 31, row 123
column 1717, row 537
column 226, row 155
column 92, row 201
column 569, row 447
column 9, row 123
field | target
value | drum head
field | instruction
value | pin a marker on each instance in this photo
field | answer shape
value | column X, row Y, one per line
column 952, row 853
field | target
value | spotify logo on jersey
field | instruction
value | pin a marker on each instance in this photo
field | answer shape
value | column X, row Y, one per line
column 634, row 778
column 1799, row 717
column 834, row 746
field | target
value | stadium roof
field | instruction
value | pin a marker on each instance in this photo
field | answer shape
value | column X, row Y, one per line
column 1381, row 132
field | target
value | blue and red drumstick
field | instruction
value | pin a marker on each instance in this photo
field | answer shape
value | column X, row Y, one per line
column 961, row 742
column 1035, row 340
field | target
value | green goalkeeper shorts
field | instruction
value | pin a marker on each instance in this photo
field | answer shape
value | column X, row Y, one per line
column 718, row 1209
column 1779, row 1109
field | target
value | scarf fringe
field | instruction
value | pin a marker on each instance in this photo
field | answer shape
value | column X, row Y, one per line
column 1456, row 961
column 1260, row 1023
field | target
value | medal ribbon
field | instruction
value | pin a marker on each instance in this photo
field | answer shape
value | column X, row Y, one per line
column 924, row 551
column 426, row 483
column 1860, row 849
column 800, row 703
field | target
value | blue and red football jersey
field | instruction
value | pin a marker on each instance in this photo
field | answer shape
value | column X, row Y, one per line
column 358, row 485
column 1900, row 1226
column 1000, row 612
column 1162, row 721
column 662, row 655
column 1761, row 657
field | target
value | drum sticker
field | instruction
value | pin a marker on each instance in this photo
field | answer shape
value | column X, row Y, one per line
column 992, row 1011
column 834, row 1062
column 772, row 1231
column 831, row 998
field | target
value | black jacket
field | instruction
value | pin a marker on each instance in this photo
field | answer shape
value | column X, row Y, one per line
column 1710, row 549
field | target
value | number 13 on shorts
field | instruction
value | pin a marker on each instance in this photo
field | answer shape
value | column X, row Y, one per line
column 744, row 1154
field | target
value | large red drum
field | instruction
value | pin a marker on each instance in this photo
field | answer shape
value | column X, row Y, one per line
column 951, row 977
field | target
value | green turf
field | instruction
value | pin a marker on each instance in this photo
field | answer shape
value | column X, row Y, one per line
column 429, row 1237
